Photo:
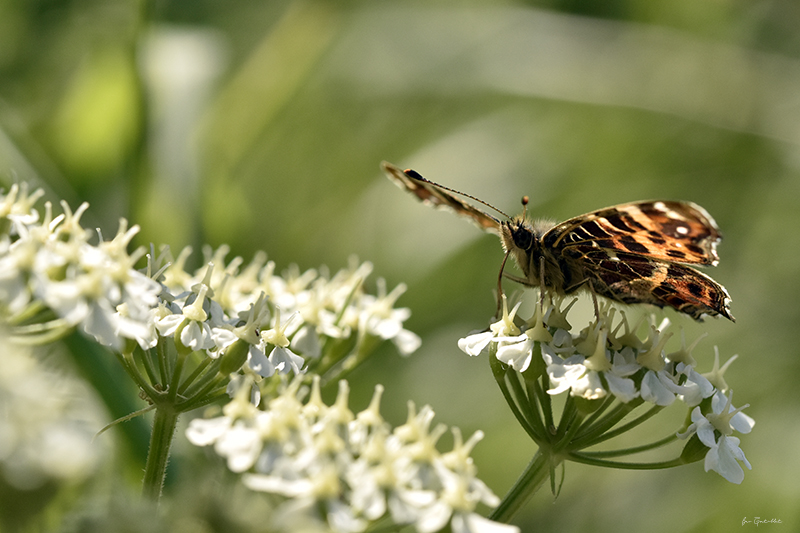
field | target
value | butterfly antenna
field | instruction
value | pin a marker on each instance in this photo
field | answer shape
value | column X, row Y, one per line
column 417, row 176
column 525, row 201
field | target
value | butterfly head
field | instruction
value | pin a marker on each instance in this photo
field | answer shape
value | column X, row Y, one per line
column 521, row 233
column 518, row 233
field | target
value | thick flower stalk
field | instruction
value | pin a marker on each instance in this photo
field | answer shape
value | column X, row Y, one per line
column 345, row 471
column 185, row 337
column 608, row 369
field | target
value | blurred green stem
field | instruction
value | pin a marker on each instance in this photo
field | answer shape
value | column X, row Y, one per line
column 164, row 422
column 534, row 476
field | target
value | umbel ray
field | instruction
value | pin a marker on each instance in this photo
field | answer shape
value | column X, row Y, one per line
column 638, row 252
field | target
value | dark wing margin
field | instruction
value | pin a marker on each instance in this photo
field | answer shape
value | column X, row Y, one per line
column 433, row 195
column 672, row 231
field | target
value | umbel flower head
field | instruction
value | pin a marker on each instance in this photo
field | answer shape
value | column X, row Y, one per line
column 347, row 470
column 608, row 368
column 181, row 334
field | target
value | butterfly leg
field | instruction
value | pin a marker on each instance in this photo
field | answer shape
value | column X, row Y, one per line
column 594, row 302
column 541, row 287
column 588, row 283
column 517, row 279
column 498, row 314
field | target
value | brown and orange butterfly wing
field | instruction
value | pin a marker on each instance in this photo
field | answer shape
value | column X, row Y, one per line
column 438, row 196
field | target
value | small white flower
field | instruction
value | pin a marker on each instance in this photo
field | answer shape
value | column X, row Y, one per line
column 474, row 344
column 724, row 453
column 258, row 361
column 241, row 445
column 658, row 388
column 197, row 336
column 571, row 375
column 202, row 432
column 516, row 352
column 407, row 342
column 696, row 387
column 378, row 317
column 284, row 360
column 306, row 341
column 724, row 456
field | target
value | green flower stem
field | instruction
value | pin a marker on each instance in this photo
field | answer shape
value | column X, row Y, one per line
column 499, row 373
column 164, row 422
column 573, row 424
column 39, row 334
column 545, row 400
column 162, row 349
column 202, row 401
column 147, row 362
column 588, row 435
column 129, row 365
column 536, row 416
column 607, row 402
column 33, row 309
column 176, row 375
column 630, row 451
column 338, row 359
column 568, row 414
column 525, row 404
column 632, row 424
column 195, row 397
column 190, row 379
column 531, row 480
column 580, row 457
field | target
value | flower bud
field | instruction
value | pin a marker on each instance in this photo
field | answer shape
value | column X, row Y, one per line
column 234, row 357
column 694, row 450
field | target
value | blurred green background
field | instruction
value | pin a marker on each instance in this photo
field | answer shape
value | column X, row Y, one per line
column 261, row 124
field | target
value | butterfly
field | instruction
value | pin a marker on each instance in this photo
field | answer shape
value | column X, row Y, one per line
column 631, row 253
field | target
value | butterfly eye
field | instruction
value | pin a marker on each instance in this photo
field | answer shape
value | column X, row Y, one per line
column 522, row 235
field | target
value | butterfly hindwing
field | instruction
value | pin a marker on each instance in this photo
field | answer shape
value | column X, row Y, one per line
column 631, row 278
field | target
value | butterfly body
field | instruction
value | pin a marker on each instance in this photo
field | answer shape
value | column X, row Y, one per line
column 630, row 253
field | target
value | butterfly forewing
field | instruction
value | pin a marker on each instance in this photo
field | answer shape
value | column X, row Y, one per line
column 435, row 196
column 679, row 232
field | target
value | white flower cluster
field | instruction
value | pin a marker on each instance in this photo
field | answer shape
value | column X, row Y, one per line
column 215, row 308
column 47, row 423
column 53, row 279
column 49, row 265
column 344, row 470
column 609, row 358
